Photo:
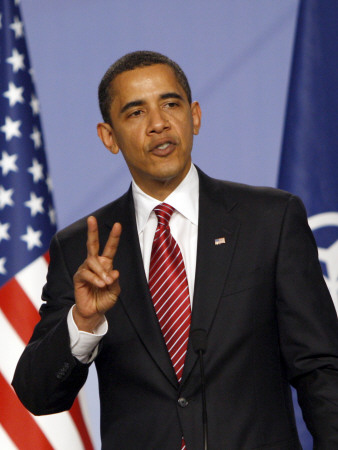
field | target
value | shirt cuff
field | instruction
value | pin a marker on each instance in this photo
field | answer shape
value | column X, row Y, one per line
column 83, row 345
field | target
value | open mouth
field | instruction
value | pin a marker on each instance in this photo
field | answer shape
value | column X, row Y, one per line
column 163, row 148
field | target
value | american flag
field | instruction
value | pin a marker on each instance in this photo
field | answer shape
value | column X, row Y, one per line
column 27, row 223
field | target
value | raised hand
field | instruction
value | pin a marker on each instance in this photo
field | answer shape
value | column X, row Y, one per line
column 96, row 284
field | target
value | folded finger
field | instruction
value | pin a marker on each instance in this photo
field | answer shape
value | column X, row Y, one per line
column 89, row 277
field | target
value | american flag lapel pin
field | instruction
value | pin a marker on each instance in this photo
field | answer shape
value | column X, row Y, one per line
column 220, row 241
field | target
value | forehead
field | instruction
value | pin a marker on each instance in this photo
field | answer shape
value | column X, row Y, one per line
column 141, row 82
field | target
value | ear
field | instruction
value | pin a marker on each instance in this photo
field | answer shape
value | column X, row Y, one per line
column 107, row 136
column 196, row 114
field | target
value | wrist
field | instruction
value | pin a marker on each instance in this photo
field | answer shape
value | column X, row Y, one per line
column 87, row 323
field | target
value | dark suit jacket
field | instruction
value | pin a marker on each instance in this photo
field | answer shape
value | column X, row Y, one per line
column 260, row 297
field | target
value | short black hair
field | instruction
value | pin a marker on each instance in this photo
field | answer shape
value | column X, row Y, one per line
column 130, row 61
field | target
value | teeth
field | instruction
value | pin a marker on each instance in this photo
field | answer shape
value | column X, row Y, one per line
column 163, row 146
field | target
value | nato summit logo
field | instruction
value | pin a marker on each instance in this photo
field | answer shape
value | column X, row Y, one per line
column 325, row 228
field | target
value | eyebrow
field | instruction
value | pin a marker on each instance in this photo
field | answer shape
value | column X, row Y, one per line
column 131, row 105
column 171, row 95
column 142, row 102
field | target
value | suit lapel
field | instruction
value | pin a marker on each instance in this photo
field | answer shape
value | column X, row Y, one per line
column 213, row 261
column 135, row 297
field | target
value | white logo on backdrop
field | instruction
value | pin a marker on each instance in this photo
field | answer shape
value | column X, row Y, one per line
column 329, row 255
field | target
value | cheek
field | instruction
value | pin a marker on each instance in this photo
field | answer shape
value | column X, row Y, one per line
column 126, row 139
column 133, row 149
column 185, row 130
column 187, row 139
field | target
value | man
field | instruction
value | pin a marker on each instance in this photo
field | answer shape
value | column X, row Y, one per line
column 249, row 272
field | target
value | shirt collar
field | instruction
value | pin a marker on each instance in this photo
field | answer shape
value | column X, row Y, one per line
column 184, row 199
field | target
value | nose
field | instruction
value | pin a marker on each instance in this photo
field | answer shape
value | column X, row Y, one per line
column 157, row 121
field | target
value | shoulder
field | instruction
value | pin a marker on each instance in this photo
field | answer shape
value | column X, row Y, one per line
column 68, row 246
column 247, row 199
column 106, row 215
column 241, row 191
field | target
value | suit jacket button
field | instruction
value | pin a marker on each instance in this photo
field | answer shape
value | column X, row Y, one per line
column 183, row 402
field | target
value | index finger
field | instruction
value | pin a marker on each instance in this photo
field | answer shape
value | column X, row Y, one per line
column 93, row 243
column 113, row 241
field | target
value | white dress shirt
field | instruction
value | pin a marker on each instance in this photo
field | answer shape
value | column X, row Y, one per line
column 184, row 228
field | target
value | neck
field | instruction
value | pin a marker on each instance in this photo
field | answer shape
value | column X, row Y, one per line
column 158, row 188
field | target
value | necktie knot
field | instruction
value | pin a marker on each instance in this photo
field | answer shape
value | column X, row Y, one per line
column 163, row 213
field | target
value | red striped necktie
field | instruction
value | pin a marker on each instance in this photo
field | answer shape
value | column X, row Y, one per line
column 169, row 289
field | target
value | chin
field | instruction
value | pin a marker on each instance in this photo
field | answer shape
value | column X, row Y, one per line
column 172, row 170
column 168, row 174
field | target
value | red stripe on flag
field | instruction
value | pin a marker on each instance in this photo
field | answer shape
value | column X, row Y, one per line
column 18, row 423
column 77, row 416
column 18, row 309
column 47, row 257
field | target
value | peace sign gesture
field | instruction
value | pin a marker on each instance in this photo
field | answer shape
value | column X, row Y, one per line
column 96, row 284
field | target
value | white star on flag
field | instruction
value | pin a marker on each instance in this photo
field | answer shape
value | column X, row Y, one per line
column 16, row 60
column 6, row 197
column 35, row 204
column 36, row 137
column 31, row 72
column 14, row 94
column 17, row 27
column 2, row 266
column 36, row 170
column 4, row 231
column 52, row 215
column 32, row 238
column 49, row 183
column 11, row 128
column 35, row 105
column 7, row 163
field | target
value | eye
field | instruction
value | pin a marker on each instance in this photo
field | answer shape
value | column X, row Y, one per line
column 135, row 113
column 170, row 105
